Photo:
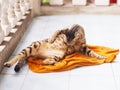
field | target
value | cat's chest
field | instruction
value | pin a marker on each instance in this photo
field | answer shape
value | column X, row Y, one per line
column 60, row 45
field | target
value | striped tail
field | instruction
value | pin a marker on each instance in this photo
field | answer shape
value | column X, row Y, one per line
column 20, row 63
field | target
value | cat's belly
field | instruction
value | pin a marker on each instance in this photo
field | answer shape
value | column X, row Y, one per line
column 47, row 53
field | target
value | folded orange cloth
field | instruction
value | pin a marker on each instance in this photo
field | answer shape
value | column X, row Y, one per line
column 74, row 60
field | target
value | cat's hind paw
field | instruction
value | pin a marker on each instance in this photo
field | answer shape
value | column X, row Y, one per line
column 7, row 64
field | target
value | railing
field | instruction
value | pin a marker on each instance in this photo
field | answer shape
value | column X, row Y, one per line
column 79, row 6
column 12, row 11
column 14, row 19
column 81, row 2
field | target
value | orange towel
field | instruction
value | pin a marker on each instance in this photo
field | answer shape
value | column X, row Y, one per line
column 74, row 60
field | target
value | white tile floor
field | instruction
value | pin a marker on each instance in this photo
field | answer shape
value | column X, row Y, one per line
column 100, row 30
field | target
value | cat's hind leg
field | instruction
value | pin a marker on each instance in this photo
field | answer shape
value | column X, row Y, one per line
column 23, row 55
column 13, row 60
column 85, row 50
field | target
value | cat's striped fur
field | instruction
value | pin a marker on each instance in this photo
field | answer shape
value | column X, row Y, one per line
column 52, row 50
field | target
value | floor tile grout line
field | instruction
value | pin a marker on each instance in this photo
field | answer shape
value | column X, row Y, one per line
column 24, row 80
column 27, row 72
column 69, row 79
column 114, row 77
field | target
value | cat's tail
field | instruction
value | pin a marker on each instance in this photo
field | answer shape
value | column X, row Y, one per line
column 20, row 63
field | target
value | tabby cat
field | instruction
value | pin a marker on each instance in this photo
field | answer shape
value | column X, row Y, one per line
column 52, row 50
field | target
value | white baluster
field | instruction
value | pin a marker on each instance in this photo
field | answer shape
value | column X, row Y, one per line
column 56, row 2
column 102, row 2
column 18, row 12
column 1, row 35
column 11, row 16
column 79, row 2
column 27, row 4
column 5, row 25
column 22, row 7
